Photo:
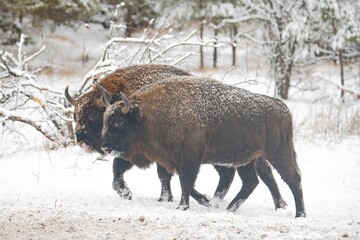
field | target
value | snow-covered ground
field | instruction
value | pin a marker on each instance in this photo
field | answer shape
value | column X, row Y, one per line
column 63, row 194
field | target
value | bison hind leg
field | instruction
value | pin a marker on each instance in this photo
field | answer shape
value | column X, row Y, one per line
column 284, row 161
column 250, row 180
column 263, row 168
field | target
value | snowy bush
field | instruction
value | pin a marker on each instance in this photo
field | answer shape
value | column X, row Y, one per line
column 25, row 99
column 330, row 121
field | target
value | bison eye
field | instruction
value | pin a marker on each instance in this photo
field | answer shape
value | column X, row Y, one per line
column 119, row 125
column 94, row 117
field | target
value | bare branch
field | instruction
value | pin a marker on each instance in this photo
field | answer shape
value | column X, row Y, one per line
column 21, row 43
column 42, row 87
column 15, row 116
column 28, row 59
column 179, row 60
column 345, row 89
column 158, row 48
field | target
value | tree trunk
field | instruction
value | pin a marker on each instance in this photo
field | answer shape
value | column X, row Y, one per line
column 215, row 48
column 341, row 73
column 129, row 22
column 21, row 17
column 359, row 73
column 284, row 83
column 283, row 69
column 233, row 47
column 201, row 36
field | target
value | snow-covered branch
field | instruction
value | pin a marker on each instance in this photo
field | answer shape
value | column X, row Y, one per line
column 22, row 95
column 340, row 87
column 15, row 116
column 149, row 48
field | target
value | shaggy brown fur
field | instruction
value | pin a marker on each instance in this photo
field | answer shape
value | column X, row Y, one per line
column 88, row 109
column 187, row 121
column 89, row 119
column 88, row 116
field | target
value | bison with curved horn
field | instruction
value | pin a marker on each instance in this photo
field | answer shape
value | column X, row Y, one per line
column 184, row 122
column 88, row 115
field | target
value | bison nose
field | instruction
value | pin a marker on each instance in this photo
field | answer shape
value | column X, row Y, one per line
column 80, row 137
column 106, row 149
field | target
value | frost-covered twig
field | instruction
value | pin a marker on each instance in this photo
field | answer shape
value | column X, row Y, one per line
column 22, row 94
column 345, row 89
column 12, row 67
column 43, row 87
column 15, row 116
column 227, row 72
column 158, row 48
column 182, row 58
column 185, row 42
column 28, row 59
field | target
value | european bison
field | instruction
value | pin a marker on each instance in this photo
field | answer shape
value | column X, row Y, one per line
column 187, row 121
column 88, row 116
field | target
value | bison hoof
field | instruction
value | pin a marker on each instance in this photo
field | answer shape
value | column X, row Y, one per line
column 214, row 203
column 183, row 207
column 234, row 206
column 231, row 209
column 204, row 200
column 300, row 214
column 166, row 198
column 123, row 191
column 280, row 204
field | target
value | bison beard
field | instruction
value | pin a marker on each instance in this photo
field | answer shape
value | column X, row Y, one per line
column 88, row 115
column 184, row 122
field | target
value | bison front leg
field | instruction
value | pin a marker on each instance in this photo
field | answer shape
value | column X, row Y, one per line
column 165, row 178
column 187, row 176
column 250, row 180
column 200, row 198
column 120, row 166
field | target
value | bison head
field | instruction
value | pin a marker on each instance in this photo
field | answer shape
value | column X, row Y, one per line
column 88, row 116
column 120, row 121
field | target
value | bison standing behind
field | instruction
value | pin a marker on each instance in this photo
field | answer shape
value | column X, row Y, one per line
column 88, row 115
column 184, row 122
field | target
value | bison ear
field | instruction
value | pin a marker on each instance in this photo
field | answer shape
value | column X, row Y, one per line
column 100, row 103
column 135, row 112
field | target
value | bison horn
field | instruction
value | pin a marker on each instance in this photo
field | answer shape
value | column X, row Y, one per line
column 127, row 104
column 68, row 97
column 105, row 102
column 106, row 94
